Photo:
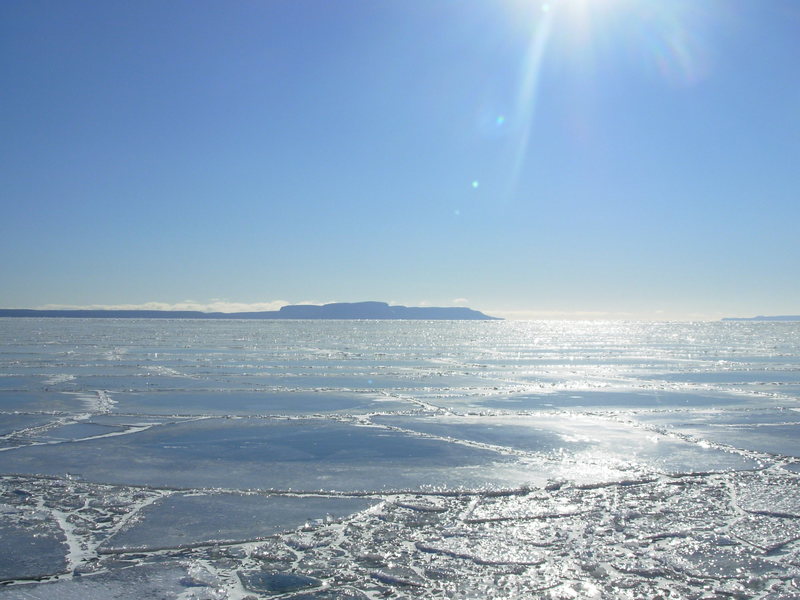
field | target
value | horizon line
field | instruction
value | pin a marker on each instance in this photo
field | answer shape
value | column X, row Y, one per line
column 228, row 307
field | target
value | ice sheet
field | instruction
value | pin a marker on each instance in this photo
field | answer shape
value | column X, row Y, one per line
column 791, row 376
column 31, row 544
column 147, row 582
column 17, row 423
column 619, row 399
column 455, row 460
column 774, row 431
column 21, row 383
column 184, row 520
column 32, row 402
column 254, row 403
column 74, row 432
column 282, row 454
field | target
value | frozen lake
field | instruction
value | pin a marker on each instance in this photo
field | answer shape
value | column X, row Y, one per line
column 224, row 460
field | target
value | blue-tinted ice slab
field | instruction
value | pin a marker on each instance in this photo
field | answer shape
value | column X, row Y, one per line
column 147, row 582
column 21, row 383
column 521, row 433
column 33, row 402
column 777, row 439
column 254, row 403
column 775, row 431
column 753, row 376
column 785, row 389
column 587, row 440
column 276, row 454
column 14, row 423
column 276, row 583
column 75, row 431
column 32, row 545
column 413, row 380
column 187, row 520
column 134, row 420
column 330, row 594
column 141, row 382
column 618, row 399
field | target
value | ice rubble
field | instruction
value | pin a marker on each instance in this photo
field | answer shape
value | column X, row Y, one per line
column 675, row 535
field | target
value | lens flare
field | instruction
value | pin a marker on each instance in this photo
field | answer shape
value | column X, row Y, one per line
column 525, row 105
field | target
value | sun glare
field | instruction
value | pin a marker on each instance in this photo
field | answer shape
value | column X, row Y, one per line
column 661, row 38
column 664, row 35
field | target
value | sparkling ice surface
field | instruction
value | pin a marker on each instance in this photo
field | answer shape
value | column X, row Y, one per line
column 231, row 460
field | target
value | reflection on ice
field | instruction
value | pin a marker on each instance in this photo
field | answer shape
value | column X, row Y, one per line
column 577, row 399
column 580, row 439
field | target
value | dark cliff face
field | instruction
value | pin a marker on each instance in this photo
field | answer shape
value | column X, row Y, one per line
column 340, row 310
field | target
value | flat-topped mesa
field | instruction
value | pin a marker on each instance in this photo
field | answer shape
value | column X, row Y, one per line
column 380, row 310
column 338, row 310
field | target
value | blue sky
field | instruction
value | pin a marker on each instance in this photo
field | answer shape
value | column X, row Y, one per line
column 569, row 158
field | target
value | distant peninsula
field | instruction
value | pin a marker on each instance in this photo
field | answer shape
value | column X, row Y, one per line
column 338, row 310
column 763, row 318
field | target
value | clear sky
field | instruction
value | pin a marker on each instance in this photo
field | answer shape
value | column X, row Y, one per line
column 607, row 158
